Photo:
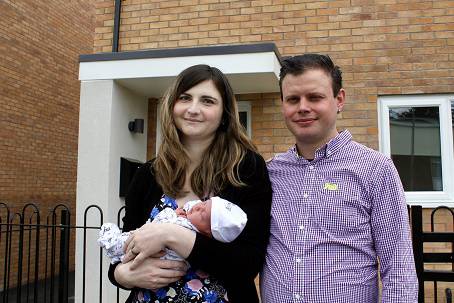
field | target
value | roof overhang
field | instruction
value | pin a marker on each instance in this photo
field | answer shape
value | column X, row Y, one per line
column 251, row 68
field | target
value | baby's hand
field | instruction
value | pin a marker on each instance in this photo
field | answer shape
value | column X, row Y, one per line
column 180, row 212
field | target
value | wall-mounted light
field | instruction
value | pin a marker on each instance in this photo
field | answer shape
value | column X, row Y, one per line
column 136, row 126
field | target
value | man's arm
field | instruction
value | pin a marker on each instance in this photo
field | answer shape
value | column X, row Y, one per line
column 391, row 236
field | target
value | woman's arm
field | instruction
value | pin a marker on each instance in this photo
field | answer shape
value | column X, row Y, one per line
column 143, row 190
column 152, row 238
column 134, row 210
column 152, row 274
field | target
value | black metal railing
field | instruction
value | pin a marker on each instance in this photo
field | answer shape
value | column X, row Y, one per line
column 35, row 262
column 419, row 237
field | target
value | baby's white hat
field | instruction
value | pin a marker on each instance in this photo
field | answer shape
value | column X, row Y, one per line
column 227, row 220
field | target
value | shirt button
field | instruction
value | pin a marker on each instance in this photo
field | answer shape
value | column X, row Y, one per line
column 298, row 260
column 311, row 167
column 305, row 195
column 301, row 227
column 297, row 296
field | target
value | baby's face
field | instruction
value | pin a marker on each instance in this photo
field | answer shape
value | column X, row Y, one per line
column 200, row 216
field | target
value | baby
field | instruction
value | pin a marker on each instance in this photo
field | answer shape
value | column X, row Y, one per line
column 215, row 217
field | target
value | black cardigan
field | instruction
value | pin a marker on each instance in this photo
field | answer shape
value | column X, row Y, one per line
column 235, row 264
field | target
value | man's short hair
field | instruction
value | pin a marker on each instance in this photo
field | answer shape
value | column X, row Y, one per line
column 297, row 65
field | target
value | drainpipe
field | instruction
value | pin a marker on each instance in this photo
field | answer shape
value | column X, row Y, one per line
column 116, row 30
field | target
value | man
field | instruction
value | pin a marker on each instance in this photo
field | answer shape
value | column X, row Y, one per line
column 339, row 214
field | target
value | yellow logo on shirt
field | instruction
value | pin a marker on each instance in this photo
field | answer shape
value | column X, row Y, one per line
column 330, row 186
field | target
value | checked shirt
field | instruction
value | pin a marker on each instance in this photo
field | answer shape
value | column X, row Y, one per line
column 332, row 219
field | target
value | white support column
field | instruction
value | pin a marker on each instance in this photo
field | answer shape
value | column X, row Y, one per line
column 105, row 110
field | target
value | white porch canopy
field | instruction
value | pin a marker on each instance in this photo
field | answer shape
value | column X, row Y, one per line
column 115, row 88
column 249, row 68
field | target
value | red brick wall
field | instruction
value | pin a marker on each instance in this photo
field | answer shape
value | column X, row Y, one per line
column 383, row 47
column 40, row 42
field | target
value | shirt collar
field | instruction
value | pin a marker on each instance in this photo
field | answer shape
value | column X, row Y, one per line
column 330, row 148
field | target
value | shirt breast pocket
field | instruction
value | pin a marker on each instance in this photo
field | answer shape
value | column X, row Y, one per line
column 340, row 208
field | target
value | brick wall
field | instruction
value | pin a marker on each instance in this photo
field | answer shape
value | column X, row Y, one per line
column 383, row 47
column 40, row 42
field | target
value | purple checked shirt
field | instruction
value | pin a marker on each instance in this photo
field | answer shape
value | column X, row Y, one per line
column 331, row 219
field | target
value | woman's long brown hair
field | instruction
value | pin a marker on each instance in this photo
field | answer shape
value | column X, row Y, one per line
column 220, row 161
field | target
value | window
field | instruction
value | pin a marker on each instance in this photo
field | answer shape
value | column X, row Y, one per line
column 244, row 110
column 417, row 133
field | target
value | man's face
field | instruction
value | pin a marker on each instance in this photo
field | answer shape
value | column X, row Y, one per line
column 310, row 108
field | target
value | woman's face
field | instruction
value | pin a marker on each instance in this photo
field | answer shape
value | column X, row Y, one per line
column 198, row 112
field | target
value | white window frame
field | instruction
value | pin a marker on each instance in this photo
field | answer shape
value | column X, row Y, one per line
column 443, row 102
column 243, row 106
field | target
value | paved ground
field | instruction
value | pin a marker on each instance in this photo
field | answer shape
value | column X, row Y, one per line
column 12, row 293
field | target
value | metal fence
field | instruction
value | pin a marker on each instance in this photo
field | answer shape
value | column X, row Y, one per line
column 36, row 265
column 422, row 258
column 35, row 261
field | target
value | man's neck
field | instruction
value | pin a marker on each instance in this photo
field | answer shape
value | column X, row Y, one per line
column 307, row 149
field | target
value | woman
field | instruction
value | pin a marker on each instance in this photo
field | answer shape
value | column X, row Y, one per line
column 204, row 153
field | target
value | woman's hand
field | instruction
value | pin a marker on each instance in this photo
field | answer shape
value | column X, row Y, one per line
column 144, row 242
column 153, row 238
column 153, row 273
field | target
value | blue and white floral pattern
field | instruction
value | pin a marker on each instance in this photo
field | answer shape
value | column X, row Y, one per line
column 195, row 287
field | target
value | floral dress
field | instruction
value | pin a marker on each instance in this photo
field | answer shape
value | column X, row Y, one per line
column 195, row 286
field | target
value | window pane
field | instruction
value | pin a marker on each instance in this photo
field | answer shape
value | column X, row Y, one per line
column 243, row 119
column 415, row 147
